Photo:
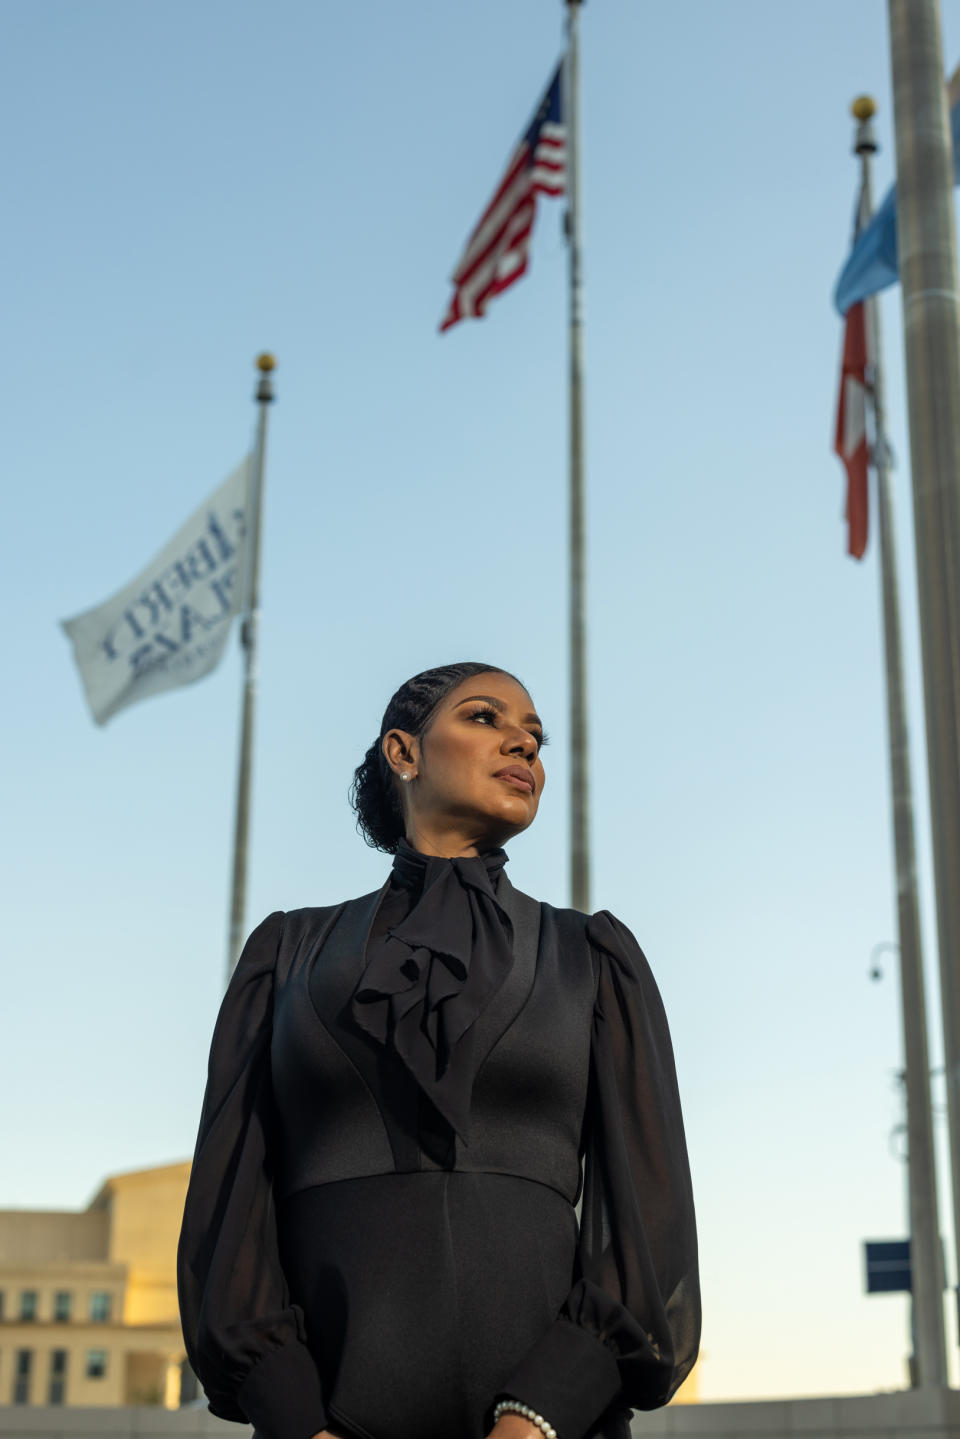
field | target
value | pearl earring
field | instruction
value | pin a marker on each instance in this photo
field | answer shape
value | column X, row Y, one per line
column 404, row 776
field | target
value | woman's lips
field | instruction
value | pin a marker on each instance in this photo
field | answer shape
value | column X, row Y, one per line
column 513, row 779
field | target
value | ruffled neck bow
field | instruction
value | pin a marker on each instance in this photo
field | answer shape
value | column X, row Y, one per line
column 430, row 977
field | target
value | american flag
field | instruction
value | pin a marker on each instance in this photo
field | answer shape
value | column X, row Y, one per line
column 498, row 251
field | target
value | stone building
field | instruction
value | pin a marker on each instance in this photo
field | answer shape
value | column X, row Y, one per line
column 88, row 1299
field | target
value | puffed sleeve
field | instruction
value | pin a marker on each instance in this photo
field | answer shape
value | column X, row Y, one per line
column 243, row 1337
column 629, row 1329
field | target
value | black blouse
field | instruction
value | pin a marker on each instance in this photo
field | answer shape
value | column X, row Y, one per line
column 350, row 1258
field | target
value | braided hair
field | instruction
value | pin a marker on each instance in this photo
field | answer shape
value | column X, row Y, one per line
column 374, row 791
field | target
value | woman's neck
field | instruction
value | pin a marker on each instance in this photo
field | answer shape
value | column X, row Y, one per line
column 447, row 842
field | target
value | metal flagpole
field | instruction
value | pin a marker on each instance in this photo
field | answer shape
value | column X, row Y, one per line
column 931, row 320
column 248, row 638
column 926, row 1263
column 579, row 794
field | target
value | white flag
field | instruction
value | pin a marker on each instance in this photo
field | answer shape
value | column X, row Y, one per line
column 169, row 626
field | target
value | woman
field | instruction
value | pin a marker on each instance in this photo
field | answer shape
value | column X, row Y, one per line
column 380, row 1236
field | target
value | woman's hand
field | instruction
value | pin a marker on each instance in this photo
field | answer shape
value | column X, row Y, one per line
column 514, row 1426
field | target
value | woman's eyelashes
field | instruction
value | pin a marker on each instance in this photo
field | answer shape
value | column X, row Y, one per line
column 488, row 712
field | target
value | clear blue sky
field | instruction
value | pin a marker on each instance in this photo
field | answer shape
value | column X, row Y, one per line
column 188, row 184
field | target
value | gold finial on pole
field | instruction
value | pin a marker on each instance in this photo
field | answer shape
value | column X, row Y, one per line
column 266, row 364
column 863, row 110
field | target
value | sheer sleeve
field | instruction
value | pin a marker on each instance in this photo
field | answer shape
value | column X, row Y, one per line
column 243, row 1337
column 629, row 1329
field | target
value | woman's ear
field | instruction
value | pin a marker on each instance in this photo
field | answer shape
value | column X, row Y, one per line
column 400, row 750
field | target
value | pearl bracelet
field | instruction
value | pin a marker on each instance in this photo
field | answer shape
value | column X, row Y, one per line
column 511, row 1406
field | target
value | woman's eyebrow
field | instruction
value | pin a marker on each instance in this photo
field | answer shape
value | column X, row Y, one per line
column 499, row 705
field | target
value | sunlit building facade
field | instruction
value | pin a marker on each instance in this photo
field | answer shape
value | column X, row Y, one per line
column 88, row 1299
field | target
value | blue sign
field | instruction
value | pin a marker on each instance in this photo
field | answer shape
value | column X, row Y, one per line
column 888, row 1266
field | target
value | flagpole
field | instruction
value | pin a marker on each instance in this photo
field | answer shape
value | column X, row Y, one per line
column 931, row 320
column 248, row 639
column 579, row 793
column 926, row 1263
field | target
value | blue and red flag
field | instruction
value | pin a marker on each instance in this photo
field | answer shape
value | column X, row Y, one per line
column 497, row 253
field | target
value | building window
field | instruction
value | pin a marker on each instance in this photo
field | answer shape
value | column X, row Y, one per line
column 58, row 1376
column 1, row 1303
column 96, row 1363
column 28, row 1305
column 61, row 1307
column 100, row 1305
column 21, row 1378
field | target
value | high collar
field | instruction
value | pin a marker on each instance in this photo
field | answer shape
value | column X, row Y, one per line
column 416, row 871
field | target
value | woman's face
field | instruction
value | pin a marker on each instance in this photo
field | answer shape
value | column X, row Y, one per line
column 458, row 793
